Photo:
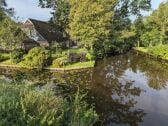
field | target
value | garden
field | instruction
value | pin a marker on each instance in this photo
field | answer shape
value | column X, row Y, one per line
column 54, row 57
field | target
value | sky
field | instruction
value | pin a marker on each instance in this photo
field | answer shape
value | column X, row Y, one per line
column 29, row 9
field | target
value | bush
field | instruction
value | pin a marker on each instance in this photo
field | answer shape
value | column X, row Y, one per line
column 59, row 55
column 89, row 57
column 60, row 62
column 37, row 57
column 26, row 106
column 81, row 114
column 16, row 56
column 159, row 51
column 4, row 57
column 151, row 38
column 56, row 47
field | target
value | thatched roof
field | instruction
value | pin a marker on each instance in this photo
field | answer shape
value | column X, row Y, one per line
column 46, row 31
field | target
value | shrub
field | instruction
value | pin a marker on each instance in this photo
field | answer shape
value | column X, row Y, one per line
column 89, row 57
column 25, row 106
column 60, row 62
column 81, row 114
column 159, row 51
column 57, row 47
column 37, row 57
column 151, row 38
column 4, row 57
column 59, row 55
column 16, row 56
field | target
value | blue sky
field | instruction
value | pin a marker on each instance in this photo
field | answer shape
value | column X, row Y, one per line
column 30, row 9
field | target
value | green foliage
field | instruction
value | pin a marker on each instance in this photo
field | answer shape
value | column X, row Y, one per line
column 4, row 9
column 60, row 18
column 2, row 14
column 90, row 28
column 155, row 27
column 81, row 64
column 59, row 62
column 37, row 57
column 89, row 57
column 79, row 115
column 150, row 38
column 98, row 25
column 56, row 47
column 159, row 51
column 23, row 105
column 11, row 35
column 16, row 56
column 98, row 51
column 4, row 56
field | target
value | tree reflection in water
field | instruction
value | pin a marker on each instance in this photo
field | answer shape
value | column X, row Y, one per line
column 113, row 99
column 155, row 71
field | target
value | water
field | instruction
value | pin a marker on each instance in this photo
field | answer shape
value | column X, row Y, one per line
column 127, row 90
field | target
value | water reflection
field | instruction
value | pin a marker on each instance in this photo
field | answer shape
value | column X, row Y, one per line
column 126, row 88
column 113, row 97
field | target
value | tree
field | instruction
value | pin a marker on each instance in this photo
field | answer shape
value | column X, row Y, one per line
column 90, row 21
column 151, row 38
column 159, row 20
column 60, row 18
column 139, row 29
column 11, row 35
column 3, row 8
column 154, row 28
column 2, row 14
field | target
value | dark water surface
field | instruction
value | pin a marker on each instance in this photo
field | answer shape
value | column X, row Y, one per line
column 127, row 90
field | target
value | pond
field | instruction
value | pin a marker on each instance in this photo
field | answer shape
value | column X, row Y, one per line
column 127, row 90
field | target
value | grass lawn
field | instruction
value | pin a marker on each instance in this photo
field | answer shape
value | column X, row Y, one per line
column 6, row 55
column 81, row 64
column 142, row 49
column 8, row 62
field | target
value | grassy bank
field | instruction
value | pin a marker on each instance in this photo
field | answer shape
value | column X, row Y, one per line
column 57, row 60
column 159, row 51
column 78, row 65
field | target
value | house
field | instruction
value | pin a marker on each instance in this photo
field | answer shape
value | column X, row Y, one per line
column 40, row 32
column 29, row 44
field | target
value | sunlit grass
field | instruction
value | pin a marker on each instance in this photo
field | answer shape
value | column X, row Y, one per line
column 81, row 64
column 142, row 49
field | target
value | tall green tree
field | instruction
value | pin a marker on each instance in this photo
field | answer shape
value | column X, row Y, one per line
column 90, row 21
column 60, row 18
column 4, row 9
column 11, row 35
column 124, row 36
column 139, row 29
column 155, row 27
column 2, row 14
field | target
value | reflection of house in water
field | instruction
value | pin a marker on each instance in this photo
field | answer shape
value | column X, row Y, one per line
column 40, row 33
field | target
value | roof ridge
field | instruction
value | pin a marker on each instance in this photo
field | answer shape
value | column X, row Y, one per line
column 31, row 19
